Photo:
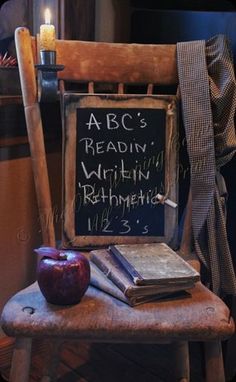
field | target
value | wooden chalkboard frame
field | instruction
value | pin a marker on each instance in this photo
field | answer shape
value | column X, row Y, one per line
column 72, row 103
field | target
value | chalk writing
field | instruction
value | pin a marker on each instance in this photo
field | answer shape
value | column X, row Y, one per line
column 120, row 169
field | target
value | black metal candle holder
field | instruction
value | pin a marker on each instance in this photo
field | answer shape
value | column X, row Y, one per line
column 47, row 76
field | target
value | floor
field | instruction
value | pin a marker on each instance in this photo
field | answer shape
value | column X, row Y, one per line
column 114, row 363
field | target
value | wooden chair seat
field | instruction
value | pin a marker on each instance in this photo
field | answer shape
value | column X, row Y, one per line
column 198, row 316
column 100, row 317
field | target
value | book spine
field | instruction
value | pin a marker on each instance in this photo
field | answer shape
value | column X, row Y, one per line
column 126, row 264
column 105, row 288
column 107, row 272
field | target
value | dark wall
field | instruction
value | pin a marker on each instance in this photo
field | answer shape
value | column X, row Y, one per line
column 2, row 2
column 169, row 22
column 186, row 4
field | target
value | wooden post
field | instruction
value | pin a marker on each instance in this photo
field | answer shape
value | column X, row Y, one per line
column 52, row 361
column 214, row 362
column 21, row 360
column 35, row 133
column 181, row 361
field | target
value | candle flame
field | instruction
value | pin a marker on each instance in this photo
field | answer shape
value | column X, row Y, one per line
column 47, row 16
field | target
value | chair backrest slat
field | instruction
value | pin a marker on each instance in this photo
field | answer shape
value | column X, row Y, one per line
column 113, row 62
column 91, row 62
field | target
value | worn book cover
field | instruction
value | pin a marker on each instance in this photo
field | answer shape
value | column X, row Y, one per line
column 154, row 263
column 100, row 281
column 107, row 263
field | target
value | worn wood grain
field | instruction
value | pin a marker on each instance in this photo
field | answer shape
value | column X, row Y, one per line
column 147, row 64
column 191, row 318
column 99, row 317
column 21, row 360
column 128, row 63
column 215, row 369
column 35, row 132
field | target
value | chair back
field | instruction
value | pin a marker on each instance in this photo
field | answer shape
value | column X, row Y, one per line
column 95, row 67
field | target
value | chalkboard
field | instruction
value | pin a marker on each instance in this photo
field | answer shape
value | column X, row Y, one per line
column 119, row 160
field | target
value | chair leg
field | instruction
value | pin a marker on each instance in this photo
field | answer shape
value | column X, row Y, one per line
column 181, row 361
column 21, row 358
column 52, row 361
column 214, row 362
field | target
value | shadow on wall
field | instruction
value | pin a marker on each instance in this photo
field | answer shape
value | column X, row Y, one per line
column 171, row 26
column 13, row 13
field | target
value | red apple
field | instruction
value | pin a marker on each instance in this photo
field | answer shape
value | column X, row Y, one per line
column 63, row 275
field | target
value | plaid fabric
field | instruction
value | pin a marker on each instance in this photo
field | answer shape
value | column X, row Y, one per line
column 208, row 97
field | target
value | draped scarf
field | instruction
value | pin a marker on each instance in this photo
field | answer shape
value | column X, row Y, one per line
column 208, row 100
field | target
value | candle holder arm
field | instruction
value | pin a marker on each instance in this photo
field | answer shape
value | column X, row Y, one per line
column 47, row 76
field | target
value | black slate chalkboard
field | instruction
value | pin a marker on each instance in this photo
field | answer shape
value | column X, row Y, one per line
column 117, row 160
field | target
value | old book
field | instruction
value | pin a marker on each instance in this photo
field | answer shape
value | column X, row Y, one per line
column 154, row 263
column 100, row 281
column 106, row 262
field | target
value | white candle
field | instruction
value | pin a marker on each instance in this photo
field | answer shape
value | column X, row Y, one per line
column 47, row 33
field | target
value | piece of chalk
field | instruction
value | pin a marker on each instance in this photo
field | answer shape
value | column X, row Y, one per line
column 166, row 201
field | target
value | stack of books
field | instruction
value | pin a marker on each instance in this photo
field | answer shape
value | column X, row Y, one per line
column 139, row 273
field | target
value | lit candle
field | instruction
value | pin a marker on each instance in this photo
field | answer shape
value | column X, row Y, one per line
column 47, row 33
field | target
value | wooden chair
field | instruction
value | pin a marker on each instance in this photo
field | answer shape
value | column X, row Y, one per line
column 98, row 317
